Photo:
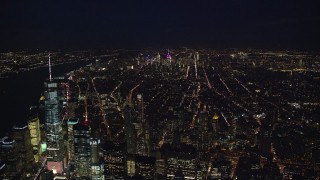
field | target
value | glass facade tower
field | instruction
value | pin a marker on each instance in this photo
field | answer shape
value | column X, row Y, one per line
column 53, row 119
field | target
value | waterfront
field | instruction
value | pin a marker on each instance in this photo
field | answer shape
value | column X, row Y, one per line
column 20, row 91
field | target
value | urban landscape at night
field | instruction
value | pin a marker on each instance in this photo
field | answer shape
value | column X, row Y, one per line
column 168, row 114
column 165, row 90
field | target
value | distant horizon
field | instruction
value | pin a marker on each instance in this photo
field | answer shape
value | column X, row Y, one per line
column 288, row 24
column 157, row 48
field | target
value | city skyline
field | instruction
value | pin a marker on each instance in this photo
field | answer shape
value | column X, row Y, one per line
column 160, row 89
column 161, row 114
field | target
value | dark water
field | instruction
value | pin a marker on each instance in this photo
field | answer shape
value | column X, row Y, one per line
column 18, row 92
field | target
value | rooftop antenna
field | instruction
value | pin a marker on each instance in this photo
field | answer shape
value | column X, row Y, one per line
column 169, row 56
column 50, row 77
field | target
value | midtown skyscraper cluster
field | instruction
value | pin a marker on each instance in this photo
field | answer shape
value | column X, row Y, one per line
column 174, row 114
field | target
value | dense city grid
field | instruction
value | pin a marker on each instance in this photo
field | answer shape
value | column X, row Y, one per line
column 170, row 114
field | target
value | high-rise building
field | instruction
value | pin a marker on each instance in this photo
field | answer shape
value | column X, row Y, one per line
column 141, row 167
column 215, row 119
column 70, row 145
column 98, row 63
column 131, row 140
column 97, row 165
column 169, row 56
column 35, row 134
column 53, row 124
column 158, row 57
column 182, row 158
column 145, row 166
column 196, row 58
column 114, row 155
column 160, row 167
column 203, row 141
column 10, row 157
column 21, row 135
column 140, row 108
column 143, row 142
column 82, row 149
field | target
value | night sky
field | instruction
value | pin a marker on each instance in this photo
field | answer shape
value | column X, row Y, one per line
column 81, row 24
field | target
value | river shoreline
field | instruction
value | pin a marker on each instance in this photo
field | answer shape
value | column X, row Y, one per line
column 19, row 91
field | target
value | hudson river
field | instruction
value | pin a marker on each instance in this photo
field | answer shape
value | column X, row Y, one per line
column 19, row 91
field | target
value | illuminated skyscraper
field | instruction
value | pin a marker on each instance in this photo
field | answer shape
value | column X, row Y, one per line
column 97, row 165
column 140, row 108
column 197, row 56
column 82, row 149
column 203, row 131
column 215, row 119
column 158, row 57
column 143, row 142
column 35, row 134
column 184, row 159
column 21, row 135
column 70, row 144
column 130, row 133
column 141, row 167
column 53, row 124
column 169, row 56
column 196, row 59
column 114, row 155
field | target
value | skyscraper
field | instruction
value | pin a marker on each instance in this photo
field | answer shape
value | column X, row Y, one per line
column 114, row 160
column 70, row 144
column 53, row 127
column 196, row 58
column 184, row 159
column 21, row 135
column 130, row 131
column 82, row 150
column 169, row 56
column 203, row 131
column 144, row 139
column 9, row 155
column 35, row 135
column 97, row 166
column 215, row 119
